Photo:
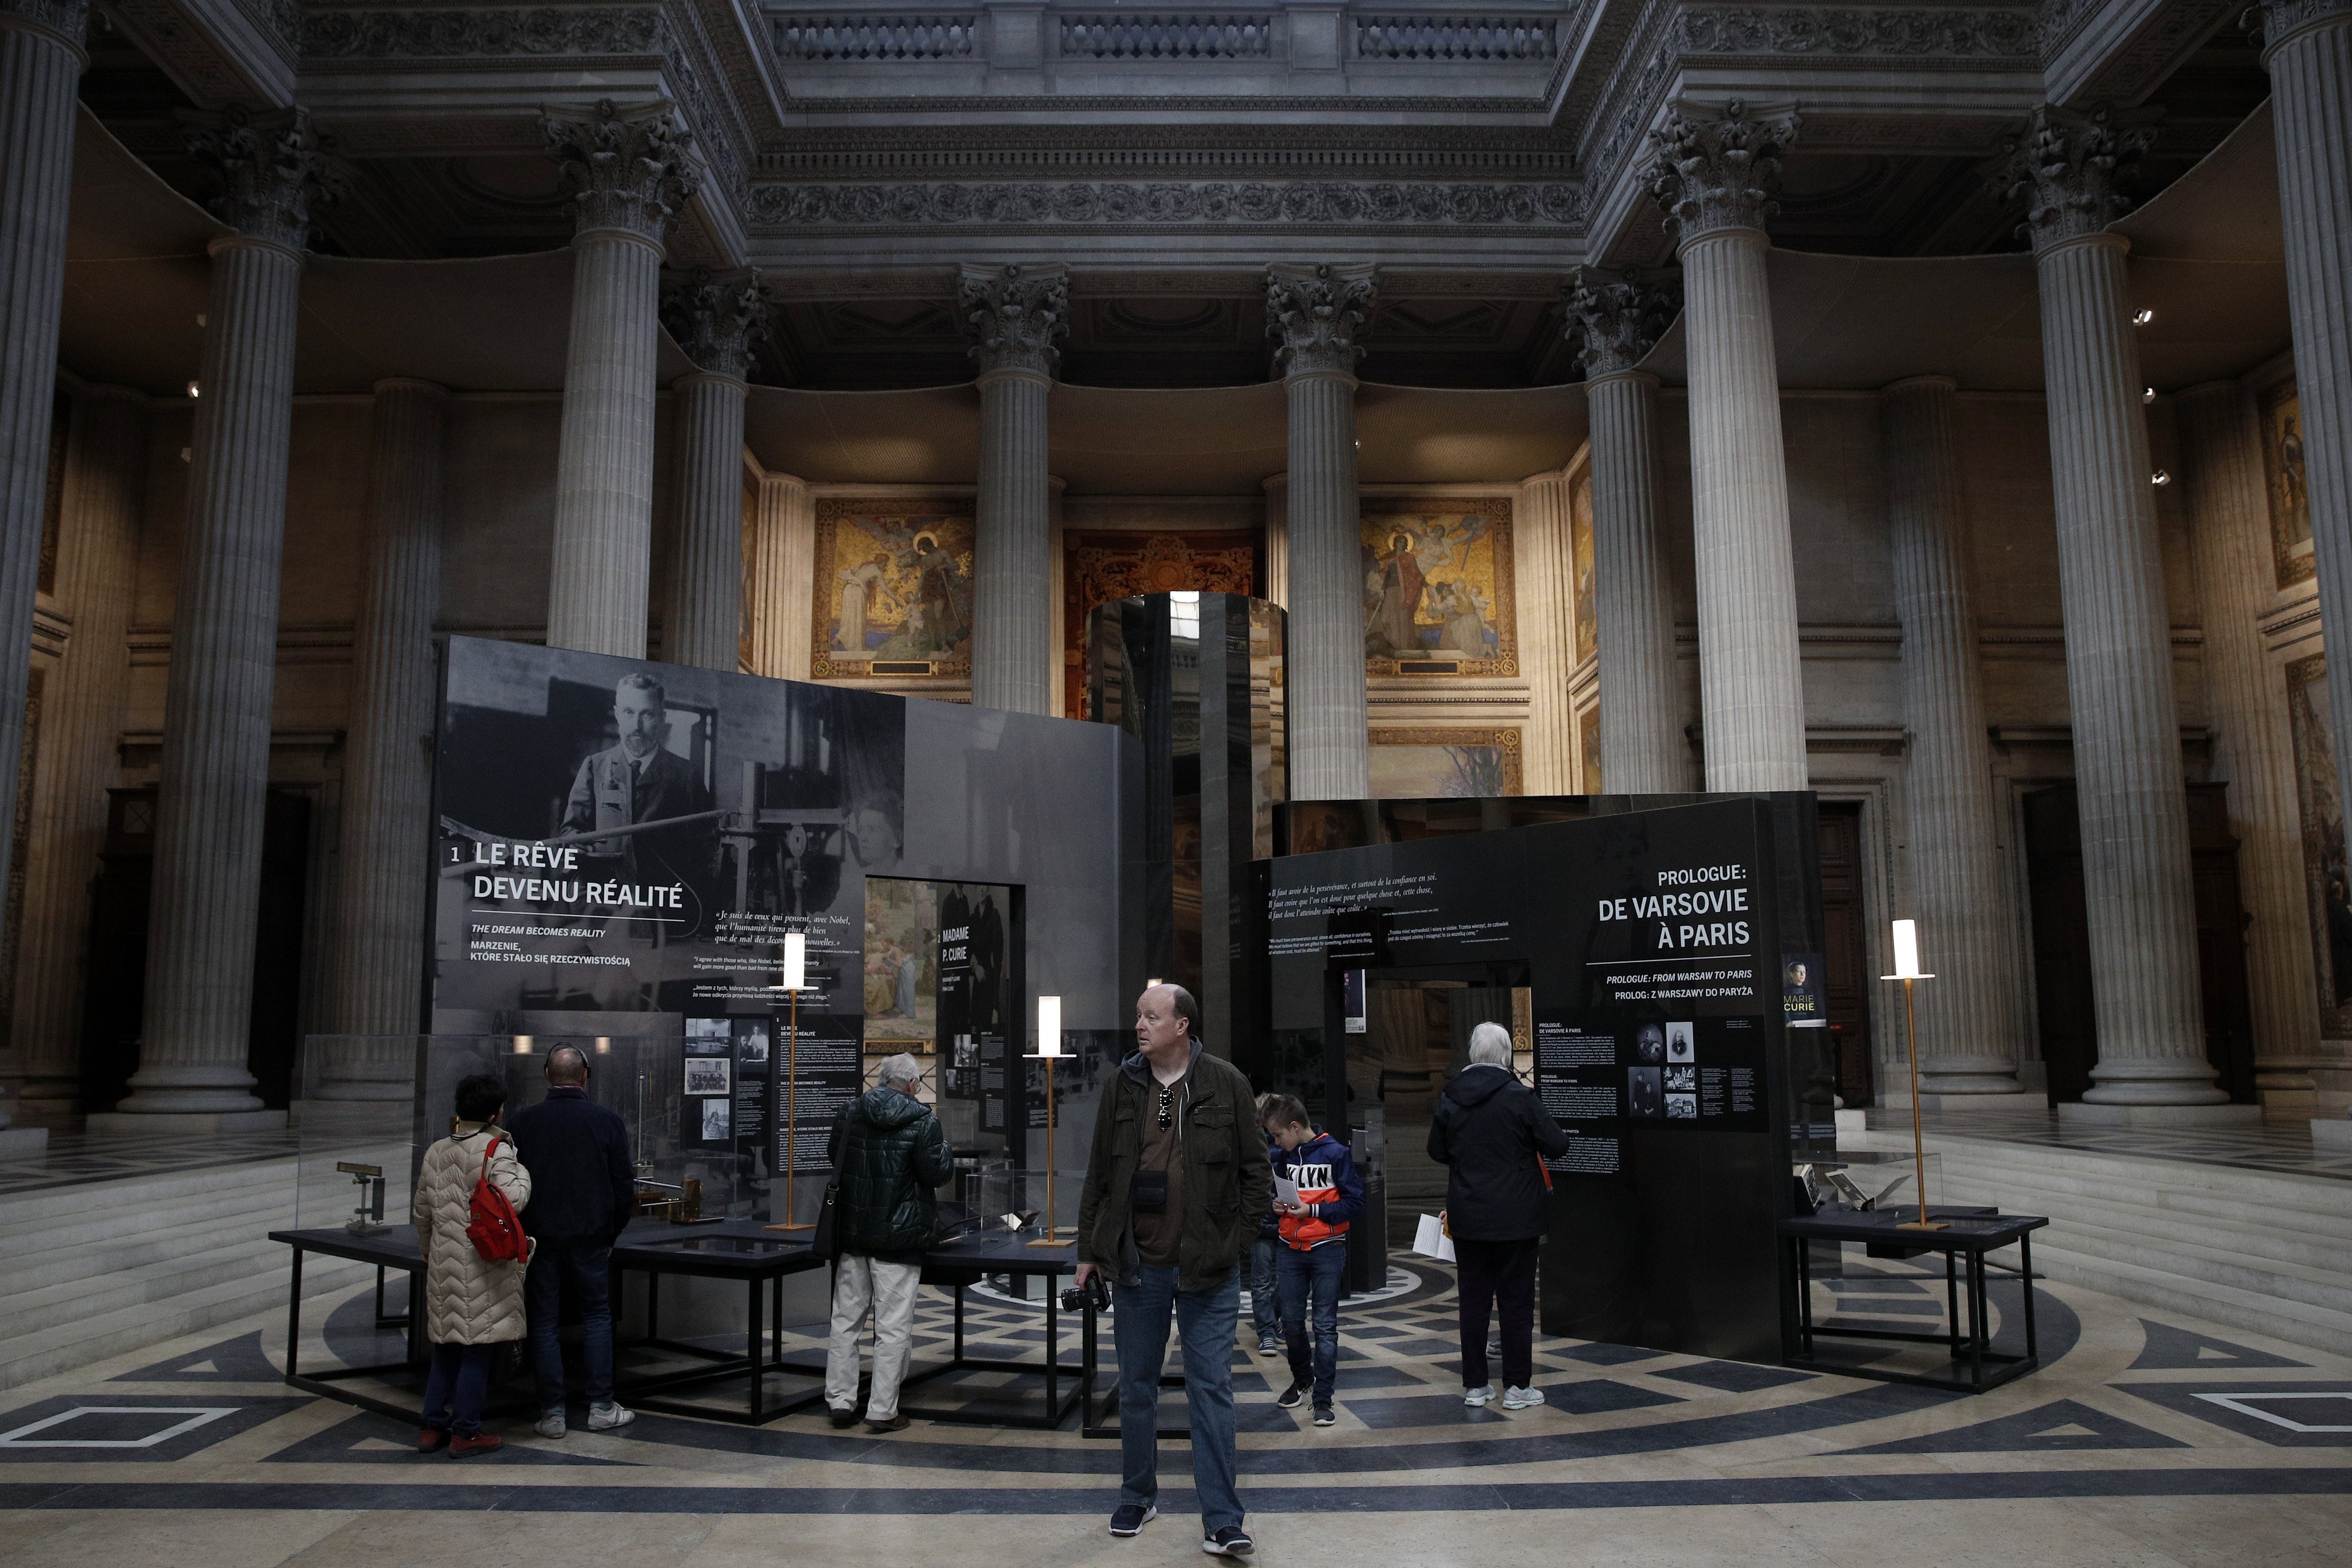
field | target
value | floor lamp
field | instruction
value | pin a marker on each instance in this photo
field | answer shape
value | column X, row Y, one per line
column 1906, row 970
column 795, row 979
column 1049, row 1051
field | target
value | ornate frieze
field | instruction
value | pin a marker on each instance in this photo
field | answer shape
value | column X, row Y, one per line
column 67, row 18
column 1317, row 315
column 2064, row 165
column 267, row 166
column 716, row 320
column 628, row 168
column 1715, row 173
column 1299, row 201
column 2005, row 33
column 482, row 35
column 1015, row 315
column 1615, row 316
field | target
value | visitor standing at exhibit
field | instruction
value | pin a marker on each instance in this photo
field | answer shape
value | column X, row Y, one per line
column 1491, row 1134
column 1175, row 1188
column 889, row 1155
column 1317, row 1194
column 577, row 1152
column 472, row 1305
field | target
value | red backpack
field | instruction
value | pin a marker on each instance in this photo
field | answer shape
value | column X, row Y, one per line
column 495, row 1229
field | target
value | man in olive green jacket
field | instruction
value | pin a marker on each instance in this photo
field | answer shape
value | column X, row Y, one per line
column 1175, row 1189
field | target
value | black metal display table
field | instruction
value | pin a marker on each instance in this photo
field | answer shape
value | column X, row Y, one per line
column 1968, row 1235
column 394, row 1247
column 959, row 1263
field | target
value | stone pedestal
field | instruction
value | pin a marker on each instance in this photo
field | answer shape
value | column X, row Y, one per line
column 1015, row 316
column 1969, row 1018
column 715, row 321
column 216, row 715
column 1714, row 177
column 2137, row 884
column 1317, row 315
column 627, row 171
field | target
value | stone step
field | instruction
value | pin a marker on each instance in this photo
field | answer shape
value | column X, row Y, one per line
column 193, row 1237
column 2272, row 1189
column 68, row 1202
column 229, row 1258
column 2086, row 1205
column 129, row 1217
column 2153, row 1285
column 2326, row 1287
column 91, row 1338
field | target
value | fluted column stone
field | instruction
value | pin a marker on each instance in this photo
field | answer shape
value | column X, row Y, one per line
column 1714, row 176
column 41, row 61
column 2254, row 752
column 1275, row 589
column 381, row 892
column 716, row 322
column 629, row 174
column 2307, row 48
column 82, row 703
column 1968, row 1019
column 1617, row 317
column 2137, row 884
column 1318, row 316
column 216, row 714
column 1546, row 574
column 1015, row 316
column 781, row 608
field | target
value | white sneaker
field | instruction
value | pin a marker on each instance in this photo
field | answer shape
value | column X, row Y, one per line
column 1520, row 1398
column 551, row 1425
column 605, row 1417
column 1478, row 1395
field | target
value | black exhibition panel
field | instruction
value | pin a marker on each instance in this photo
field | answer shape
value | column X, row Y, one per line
column 1654, row 935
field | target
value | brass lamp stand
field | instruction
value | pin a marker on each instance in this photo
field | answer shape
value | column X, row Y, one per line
column 795, row 980
column 1049, row 1051
column 1906, row 970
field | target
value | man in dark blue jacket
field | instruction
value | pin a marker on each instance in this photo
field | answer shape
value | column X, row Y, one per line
column 583, row 1191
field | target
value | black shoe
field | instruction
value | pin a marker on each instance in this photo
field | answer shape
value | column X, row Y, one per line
column 897, row 1422
column 1232, row 1541
column 1129, row 1518
column 842, row 1416
column 1293, row 1397
column 1324, row 1416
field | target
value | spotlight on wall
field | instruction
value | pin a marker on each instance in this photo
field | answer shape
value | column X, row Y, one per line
column 522, row 1044
column 195, row 391
column 2148, row 395
column 2143, row 316
column 2159, row 478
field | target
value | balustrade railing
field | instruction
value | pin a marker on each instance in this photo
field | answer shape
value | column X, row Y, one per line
column 1455, row 39
column 943, row 37
column 1172, row 37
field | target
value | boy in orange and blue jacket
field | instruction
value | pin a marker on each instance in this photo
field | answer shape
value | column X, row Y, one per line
column 1312, row 1263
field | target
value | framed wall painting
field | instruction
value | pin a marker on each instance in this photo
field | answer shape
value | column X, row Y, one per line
column 1445, row 764
column 893, row 584
column 1438, row 587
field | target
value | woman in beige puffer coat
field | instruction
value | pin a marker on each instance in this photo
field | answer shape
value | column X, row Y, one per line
column 471, row 1305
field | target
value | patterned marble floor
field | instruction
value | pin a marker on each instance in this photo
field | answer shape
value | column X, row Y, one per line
column 2148, row 1439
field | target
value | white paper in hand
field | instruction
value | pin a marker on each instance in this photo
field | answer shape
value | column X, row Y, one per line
column 1286, row 1191
column 1429, row 1240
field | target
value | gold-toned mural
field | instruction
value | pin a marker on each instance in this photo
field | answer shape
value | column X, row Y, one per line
column 2283, row 468
column 2326, row 873
column 893, row 588
column 1438, row 597
column 1101, row 566
column 1580, row 543
column 1445, row 764
column 1587, row 747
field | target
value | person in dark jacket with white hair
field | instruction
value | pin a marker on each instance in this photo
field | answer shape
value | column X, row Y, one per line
column 889, row 1158
column 1491, row 1134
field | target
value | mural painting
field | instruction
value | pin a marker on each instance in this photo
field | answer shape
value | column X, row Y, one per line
column 1101, row 566
column 2284, row 472
column 902, row 979
column 1437, row 587
column 893, row 588
column 1580, row 543
column 1587, row 748
column 1445, row 764
column 2328, row 878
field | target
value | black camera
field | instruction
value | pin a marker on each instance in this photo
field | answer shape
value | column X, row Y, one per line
column 1094, row 1293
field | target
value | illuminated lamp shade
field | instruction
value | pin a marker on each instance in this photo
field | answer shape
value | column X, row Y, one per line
column 1049, row 1026
column 1906, row 952
column 795, row 961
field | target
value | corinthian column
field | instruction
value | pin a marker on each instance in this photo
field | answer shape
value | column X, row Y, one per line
column 1617, row 317
column 715, row 321
column 1317, row 315
column 98, row 561
column 783, row 563
column 628, row 175
column 216, row 711
column 2135, row 814
column 1015, row 315
column 1715, row 178
column 388, row 777
column 2307, row 48
column 2252, row 750
column 1967, row 1044
column 41, row 59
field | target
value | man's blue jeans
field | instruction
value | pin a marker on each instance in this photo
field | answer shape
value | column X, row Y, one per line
column 456, row 1387
column 1266, row 1300
column 1320, row 1274
column 588, row 1271
column 1206, row 1320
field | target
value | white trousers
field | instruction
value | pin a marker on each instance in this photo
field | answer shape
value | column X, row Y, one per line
column 887, row 1289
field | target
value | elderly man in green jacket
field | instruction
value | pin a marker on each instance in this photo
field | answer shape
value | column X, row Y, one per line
column 1175, row 1188
column 889, row 1156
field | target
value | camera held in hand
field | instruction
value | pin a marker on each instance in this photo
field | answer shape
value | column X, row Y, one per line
column 1094, row 1293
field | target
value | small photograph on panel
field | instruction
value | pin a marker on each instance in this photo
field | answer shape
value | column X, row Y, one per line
column 706, row 1075
column 1644, row 1096
column 1682, row 1108
column 1681, row 1080
column 752, row 1034
column 1650, row 1044
column 715, row 1121
column 707, row 1038
column 1679, row 1039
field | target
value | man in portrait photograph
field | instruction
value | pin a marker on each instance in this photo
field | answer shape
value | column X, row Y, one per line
column 638, row 779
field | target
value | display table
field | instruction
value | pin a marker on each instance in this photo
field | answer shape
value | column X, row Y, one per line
column 1969, row 1234
column 957, row 1264
column 740, row 1250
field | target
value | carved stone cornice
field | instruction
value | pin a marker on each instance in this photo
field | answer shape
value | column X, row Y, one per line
column 268, row 165
column 1014, row 316
column 482, row 35
column 2279, row 20
column 1615, row 316
column 1318, row 316
column 67, row 18
column 1995, row 33
column 716, row 320
column 1717, row 172
column 1208, row 202
column 2064, row 164
column 627, row 168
